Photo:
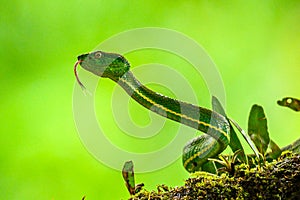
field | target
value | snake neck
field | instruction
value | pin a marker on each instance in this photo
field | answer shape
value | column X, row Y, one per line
column 196, row 117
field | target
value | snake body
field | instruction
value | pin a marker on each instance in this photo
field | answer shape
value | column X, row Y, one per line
column 215, row 126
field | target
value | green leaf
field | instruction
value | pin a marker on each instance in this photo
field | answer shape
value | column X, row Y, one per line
column 257, row 128
column 275, row 150
column 128, row 175
column 247, row 138
column 290, row 102
column 217, row 106
column 234, row 143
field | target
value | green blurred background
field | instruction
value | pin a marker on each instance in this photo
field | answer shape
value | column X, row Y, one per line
column 255, row 44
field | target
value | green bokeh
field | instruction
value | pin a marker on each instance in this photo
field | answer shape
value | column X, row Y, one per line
column 255, row 44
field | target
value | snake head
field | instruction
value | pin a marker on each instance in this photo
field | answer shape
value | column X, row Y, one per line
column 104, row 64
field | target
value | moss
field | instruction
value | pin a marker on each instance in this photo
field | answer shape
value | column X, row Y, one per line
column 276, row 180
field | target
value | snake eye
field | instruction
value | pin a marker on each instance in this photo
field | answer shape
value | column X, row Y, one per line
column 98, row 54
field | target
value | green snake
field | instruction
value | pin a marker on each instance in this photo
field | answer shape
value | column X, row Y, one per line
column 215, row 126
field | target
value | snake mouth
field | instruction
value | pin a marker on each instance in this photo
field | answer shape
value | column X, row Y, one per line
column 76, row 74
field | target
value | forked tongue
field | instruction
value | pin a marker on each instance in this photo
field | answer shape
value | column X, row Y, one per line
column 77, row 78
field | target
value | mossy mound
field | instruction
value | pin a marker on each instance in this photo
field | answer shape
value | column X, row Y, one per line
column 277, row 180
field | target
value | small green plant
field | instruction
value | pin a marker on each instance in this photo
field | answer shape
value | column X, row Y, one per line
column 227, row 162
column 259, row 141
